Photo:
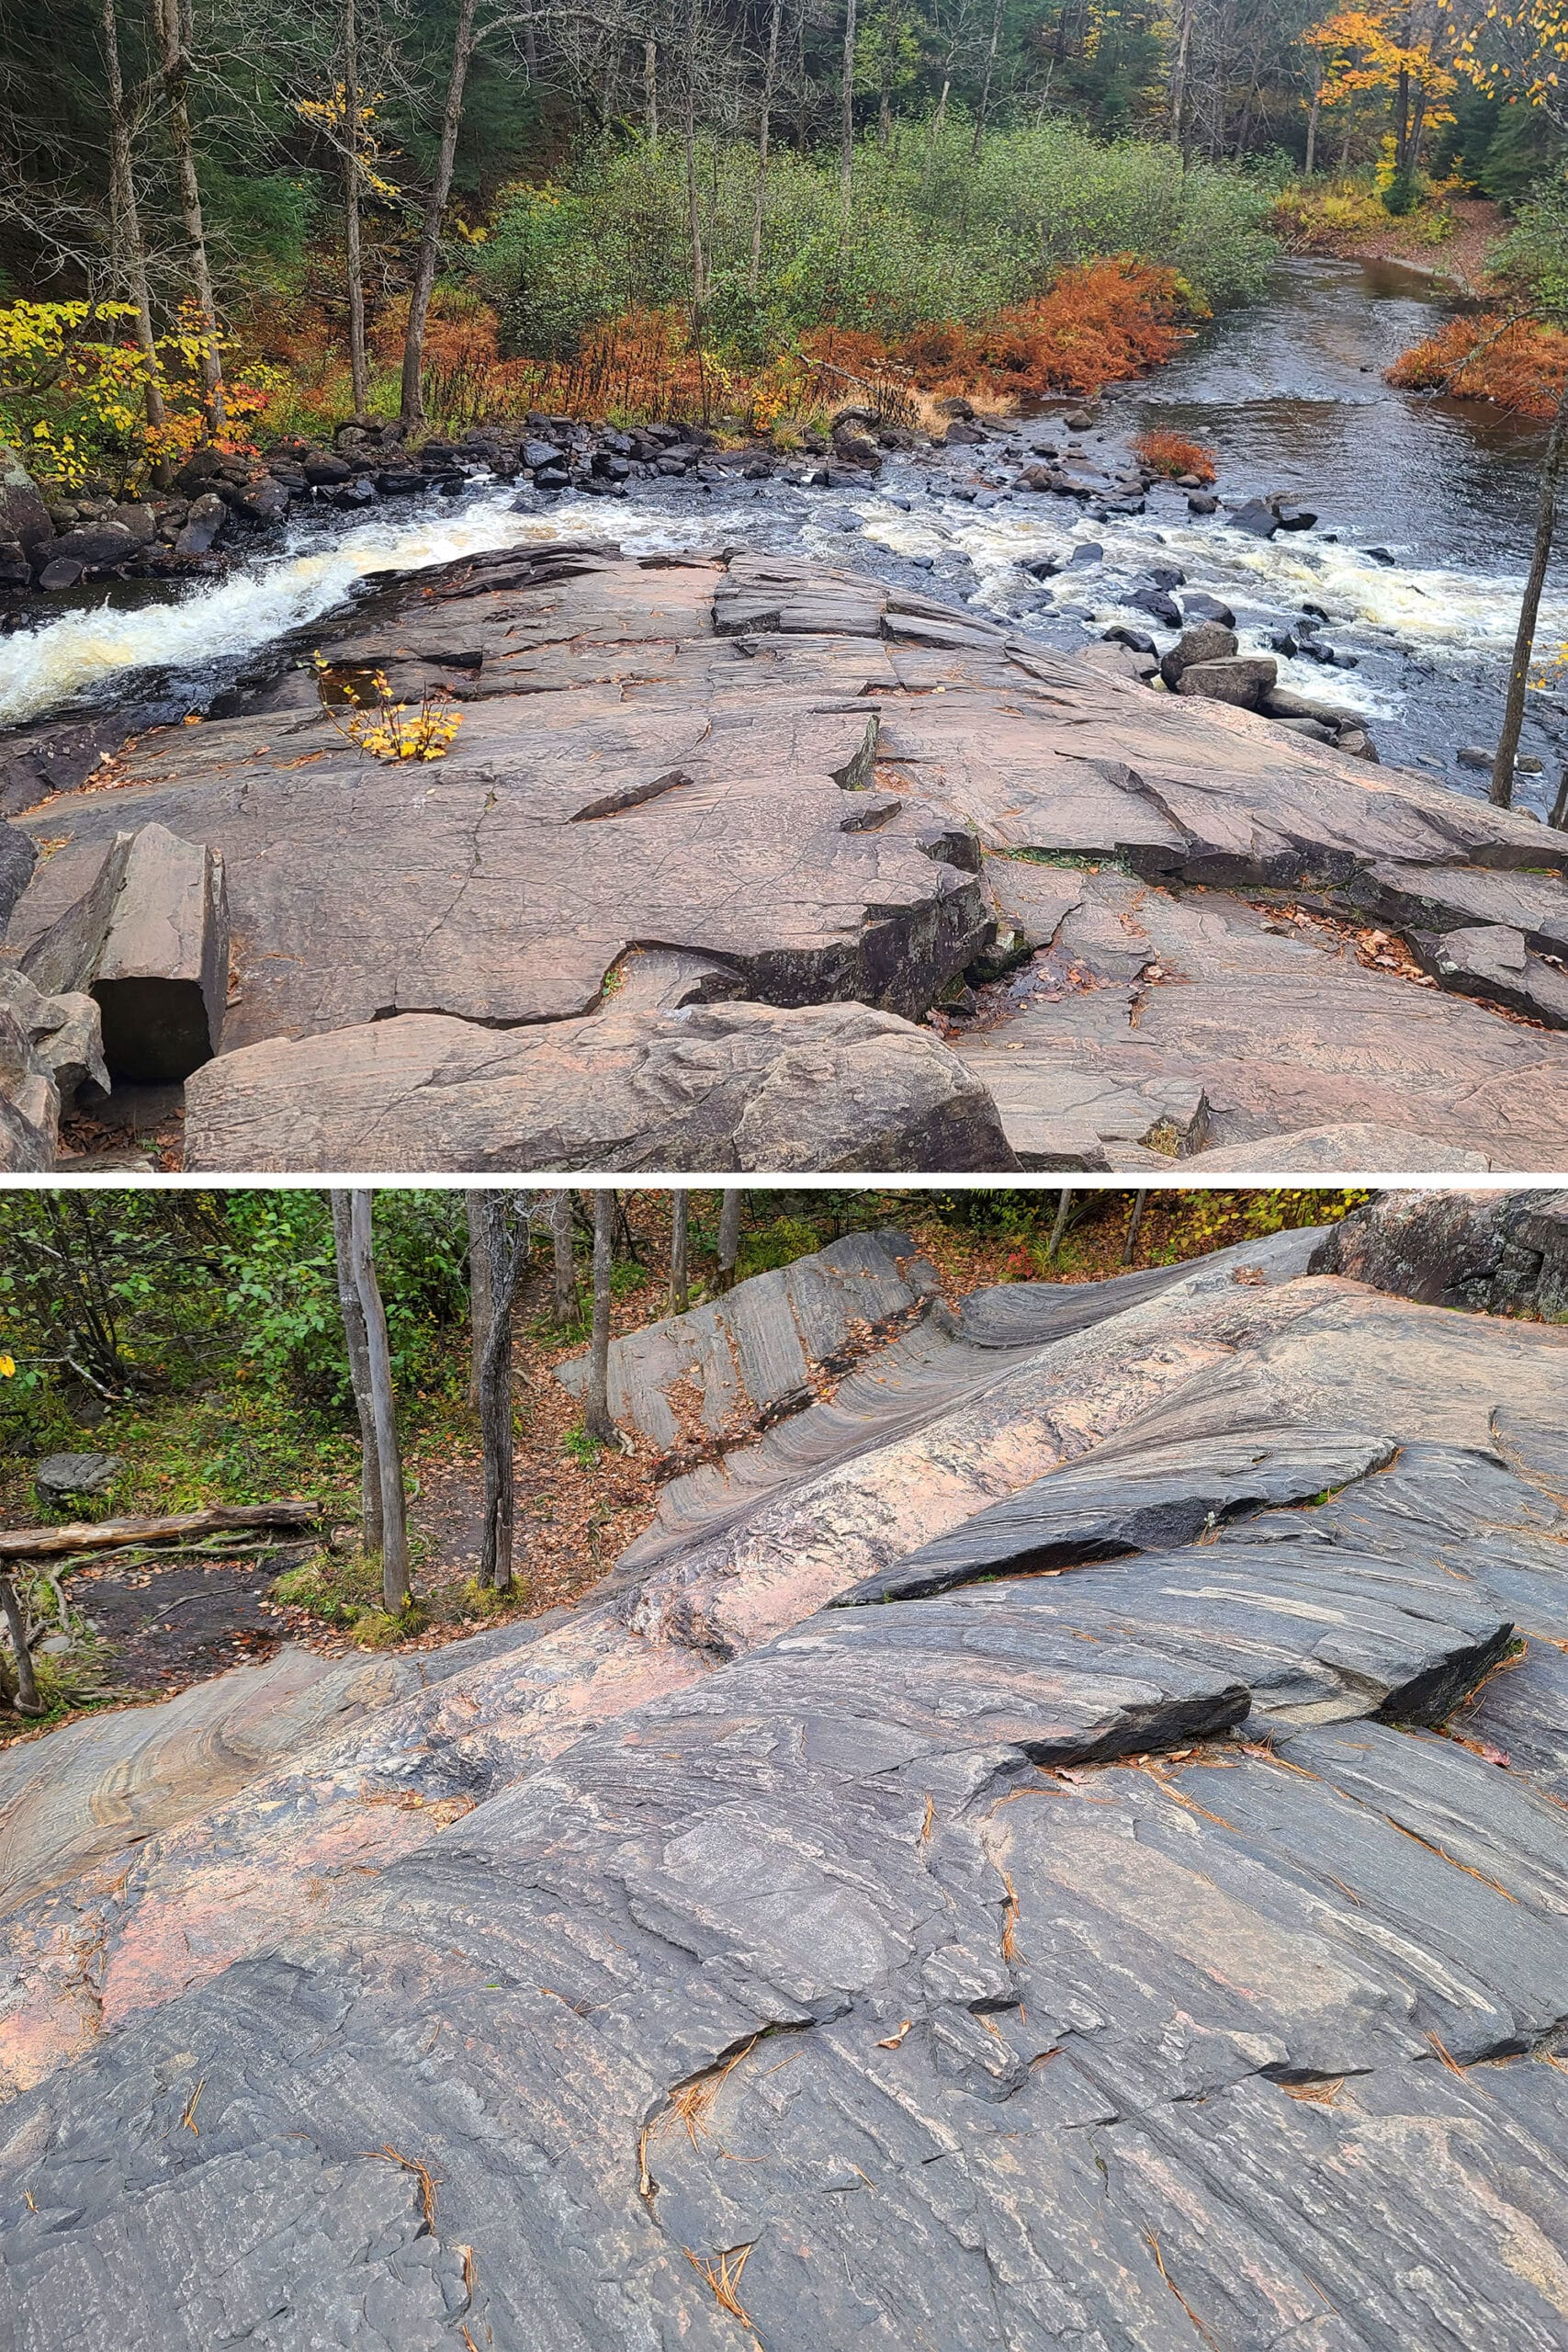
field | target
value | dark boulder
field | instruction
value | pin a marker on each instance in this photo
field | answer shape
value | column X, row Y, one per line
column 97, row 546
column 1208, row 643
column 1256, row 516
column 23, row 515
column 323, row 471
column 1158, row 604
column 1197, row 605
column 60, row 574
column 204, row 520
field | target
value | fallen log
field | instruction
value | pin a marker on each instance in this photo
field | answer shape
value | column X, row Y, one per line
column 45, row 1543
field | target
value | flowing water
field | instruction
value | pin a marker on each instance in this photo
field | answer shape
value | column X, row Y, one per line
column 1290, row 395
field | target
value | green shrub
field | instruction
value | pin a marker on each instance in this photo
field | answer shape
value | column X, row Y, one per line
column 934, row 232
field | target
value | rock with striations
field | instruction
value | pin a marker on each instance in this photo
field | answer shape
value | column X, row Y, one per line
column 163, row 974
column 1126, row 1945
column 59, row 1475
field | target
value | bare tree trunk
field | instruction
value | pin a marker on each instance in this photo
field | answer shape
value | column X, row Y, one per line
column 27, row 1700
column 680, row 1223
column 1063, row 1206
column 1502, row 789
column 847, row 116
column 564, row 1264
column 1134, row 1222
column 1178, row 79
column 770, row 75
column 126, row 216
column 892, row 36
column 172, row 25
column 651, row 84
column 412, row 406
column 504, row 1247
column 359, row 374
column 596, row 1419
column 694, row 209
column 985, row 85
column 1559, row 816
column 358, row 1377
column 394, row 1530
column 1313, row 113
column 731, row 1202
column 479, row 1306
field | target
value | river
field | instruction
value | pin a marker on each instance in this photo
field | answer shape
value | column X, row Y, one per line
column 1289, row 395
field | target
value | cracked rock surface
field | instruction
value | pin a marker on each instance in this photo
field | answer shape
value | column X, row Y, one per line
column 1151, row 1940
column 821, row 785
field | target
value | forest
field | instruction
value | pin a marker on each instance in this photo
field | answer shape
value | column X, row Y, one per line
column 221, row 224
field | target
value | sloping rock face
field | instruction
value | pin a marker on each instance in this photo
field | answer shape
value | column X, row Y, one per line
column 1142, row 1952
column 820, row 784
column 753, row 1354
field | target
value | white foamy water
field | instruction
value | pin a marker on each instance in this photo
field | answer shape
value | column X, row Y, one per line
column 67, row 658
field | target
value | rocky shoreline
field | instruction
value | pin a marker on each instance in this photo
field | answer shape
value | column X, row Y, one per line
column 741, row 863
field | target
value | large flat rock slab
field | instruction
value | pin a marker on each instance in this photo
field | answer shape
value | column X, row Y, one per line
column 754, row 1352
column 1279, row 1032
column 801, row 774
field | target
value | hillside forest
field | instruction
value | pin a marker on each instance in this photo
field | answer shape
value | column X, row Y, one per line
column 223, row 223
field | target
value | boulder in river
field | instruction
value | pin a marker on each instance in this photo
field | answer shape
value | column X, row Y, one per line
column 1243, row 679
column 1256, row 516
column 1208, row 643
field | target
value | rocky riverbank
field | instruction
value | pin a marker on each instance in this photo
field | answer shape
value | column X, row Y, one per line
column 737, row 863
column 1164, row 1949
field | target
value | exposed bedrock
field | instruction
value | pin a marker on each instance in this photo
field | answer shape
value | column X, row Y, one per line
column 821, row 783
column 1138, row 1953
column 1505, row 1254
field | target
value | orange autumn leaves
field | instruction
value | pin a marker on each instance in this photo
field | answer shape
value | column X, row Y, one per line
column 1514, row 363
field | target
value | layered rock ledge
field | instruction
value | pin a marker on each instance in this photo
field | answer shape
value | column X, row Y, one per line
column 975, row 903
column 1062, row 1844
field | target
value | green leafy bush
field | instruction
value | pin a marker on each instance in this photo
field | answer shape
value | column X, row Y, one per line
column 934, row 232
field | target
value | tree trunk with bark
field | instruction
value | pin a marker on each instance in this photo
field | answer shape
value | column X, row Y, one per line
column 478, row 1290
column 173, row 28
column 126, row 216
column 563, row 1260
column 650, row 89
column 596, row 1419
column 985, row 105
column 689, row 142
column 1502, row 787
column 731, row 1203
column 502, row 1220
column 679, row 1226
column 358, row 1348
column 394, row 1529
column 764, row 122
column 412, row 406
column 847, row 118
column 354, row 271
column 27, row 1700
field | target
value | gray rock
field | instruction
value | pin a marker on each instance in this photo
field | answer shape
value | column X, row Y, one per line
column 1493, row 962
column 1256, row 516
column 1208, row 643
column 162, row 975
column 17, row 859
column 59, row 1475
column 204, row 520
column 1242, row 679
column 693, row 1086
column 24, row 518
column 1199, row 605
column 97, row 546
